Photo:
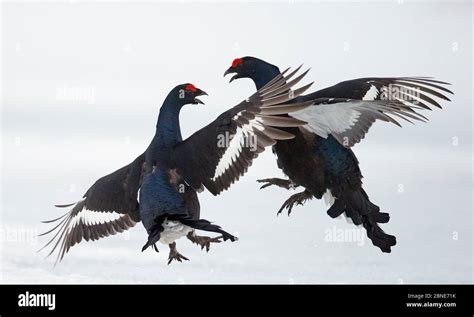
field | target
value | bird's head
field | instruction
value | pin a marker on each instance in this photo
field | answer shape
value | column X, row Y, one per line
column 242, row 68
column 188, row 93
column 254, row 68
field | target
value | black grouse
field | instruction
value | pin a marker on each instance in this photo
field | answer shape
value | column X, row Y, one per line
column 172, row 170
column 319, row 158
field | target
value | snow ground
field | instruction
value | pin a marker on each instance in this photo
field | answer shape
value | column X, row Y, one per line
column 434, row 240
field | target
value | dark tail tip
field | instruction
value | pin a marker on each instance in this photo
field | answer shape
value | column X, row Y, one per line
column 153, row 237
column 381, row 217
column 361, row 210
column 336, row 209
column 205, row 225
column 227, row 236
column 379, row 238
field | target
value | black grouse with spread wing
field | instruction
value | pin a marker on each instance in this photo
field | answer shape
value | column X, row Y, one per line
column 319, row 158
column 172, row 170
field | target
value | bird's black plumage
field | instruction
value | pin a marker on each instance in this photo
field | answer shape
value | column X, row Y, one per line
column 115, row 193
column 319, row 158
column 172, row 170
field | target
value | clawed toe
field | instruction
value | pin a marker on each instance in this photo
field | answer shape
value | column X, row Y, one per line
column 205, row 242
column 296, row 199
column 284, row 183
column 175, row 255
column 288, row 204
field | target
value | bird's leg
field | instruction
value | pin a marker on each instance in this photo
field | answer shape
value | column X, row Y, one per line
column 175, row 255
column 283, row 183
column 203, row 241
column 155, row 247
column 298, row 199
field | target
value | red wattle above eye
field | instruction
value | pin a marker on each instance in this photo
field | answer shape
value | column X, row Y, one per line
column 190, row 87
column 236, row 62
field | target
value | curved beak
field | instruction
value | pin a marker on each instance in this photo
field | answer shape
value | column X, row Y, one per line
column 231, row 71
column 228, row 71
column 200, row 93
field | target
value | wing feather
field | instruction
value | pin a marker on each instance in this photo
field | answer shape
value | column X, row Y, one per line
column 108, row 207
column 349, row 120
column 245, row 130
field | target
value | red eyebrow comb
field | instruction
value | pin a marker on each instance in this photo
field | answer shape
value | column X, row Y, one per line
column 190, row 87
column 236, row 62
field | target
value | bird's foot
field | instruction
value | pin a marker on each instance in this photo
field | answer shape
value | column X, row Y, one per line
column 155, row 247
column 296, row 199
column 283, row 183
column 203, row 241
column 175, row 255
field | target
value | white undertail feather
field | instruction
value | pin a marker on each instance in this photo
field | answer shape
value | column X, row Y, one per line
column 172, row 231
column 328, row 198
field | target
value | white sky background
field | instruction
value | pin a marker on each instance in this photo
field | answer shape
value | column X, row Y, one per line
column 129, row 55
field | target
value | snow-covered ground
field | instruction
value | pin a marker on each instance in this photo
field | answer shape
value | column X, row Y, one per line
column 81, row 100
column 434, row 232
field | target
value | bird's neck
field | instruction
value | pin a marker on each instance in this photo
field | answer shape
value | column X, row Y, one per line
column 264, row 72
column 168, row 131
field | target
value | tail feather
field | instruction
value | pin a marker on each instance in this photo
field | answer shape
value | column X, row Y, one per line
column 202, row 224
column 154, row 236
column 154, row 233
column 337, row 208
column 378, row 236
column 381, row 217
column 362, row 211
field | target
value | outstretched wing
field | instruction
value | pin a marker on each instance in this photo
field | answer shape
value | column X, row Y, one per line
column 109, row 206
column 349, row 120
column 348, row 109
column 218, row 154
column 417, row 91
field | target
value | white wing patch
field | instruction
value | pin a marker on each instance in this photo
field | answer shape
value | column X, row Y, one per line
column 371, row 94
column 236, row 144
column 349, row 120
column 80, row 223
column 327, row 118
column 90, row 217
